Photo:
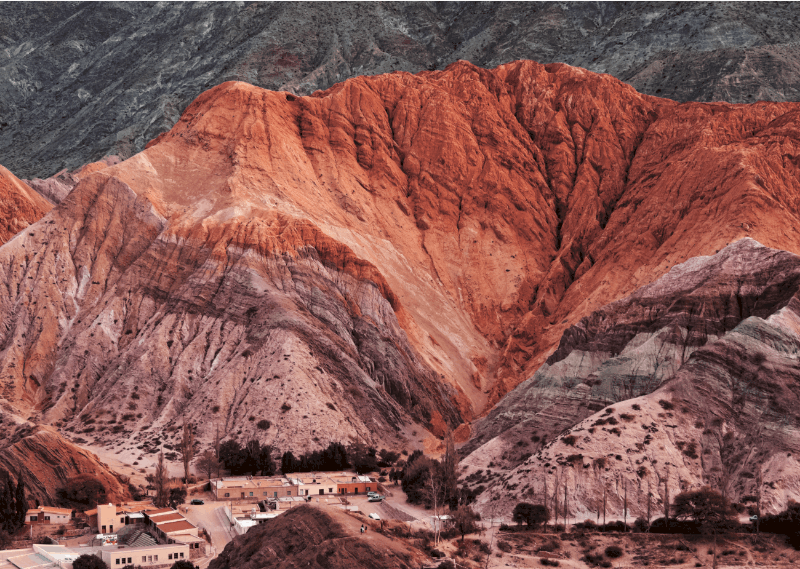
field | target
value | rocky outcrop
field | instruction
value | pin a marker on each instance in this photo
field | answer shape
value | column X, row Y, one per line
column 21, row 206
column 94, row 80
column 56, row 187
column 317, row 537
column 45, row 461
column 702, row 370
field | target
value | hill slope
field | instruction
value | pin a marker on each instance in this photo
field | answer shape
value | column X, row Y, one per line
column 702, row 370
column 309, row 536
column 93, row 79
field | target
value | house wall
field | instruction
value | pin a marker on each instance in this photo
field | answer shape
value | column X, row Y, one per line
column 54, row 518
column 146, row 557
column 107, row 518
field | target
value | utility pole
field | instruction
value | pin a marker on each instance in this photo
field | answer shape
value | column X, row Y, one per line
column 649, row 500
column 565, row 503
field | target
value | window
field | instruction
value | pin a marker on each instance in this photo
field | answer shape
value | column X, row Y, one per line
column 266, row 493
column 276, row 494
column 34, row 518
column 288, row 492
column 181, row 554
column 330, row 490
column 169, row 556
column 368, row 488
column 118, row 561
column 155, row 558
column 227, row 494
column 149, row 558
column 144, row 558
column 130, row 560
column 251, row 493
column 47, row 518
column 104, row 529
column 122, row 520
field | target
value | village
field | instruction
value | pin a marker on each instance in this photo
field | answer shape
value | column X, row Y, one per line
column 142, row 534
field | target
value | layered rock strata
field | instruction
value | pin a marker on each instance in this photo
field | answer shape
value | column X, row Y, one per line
column 700, row 374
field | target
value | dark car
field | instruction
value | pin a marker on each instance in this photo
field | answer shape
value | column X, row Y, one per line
column 196, row 502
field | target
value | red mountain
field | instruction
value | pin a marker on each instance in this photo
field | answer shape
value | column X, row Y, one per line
column 425, row 239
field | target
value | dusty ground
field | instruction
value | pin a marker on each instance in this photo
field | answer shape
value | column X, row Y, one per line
column 640, row 550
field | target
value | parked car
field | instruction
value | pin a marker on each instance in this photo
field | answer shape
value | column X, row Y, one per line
column 375, row 517
column 376, row 498
column 753, row 518
column 371, row 494
column 197, row 502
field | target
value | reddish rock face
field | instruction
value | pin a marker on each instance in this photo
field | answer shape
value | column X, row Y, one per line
column 436, row 233
column 21, row 206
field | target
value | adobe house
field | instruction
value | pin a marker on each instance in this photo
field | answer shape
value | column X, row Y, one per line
column 355, row 484
column 48, row 515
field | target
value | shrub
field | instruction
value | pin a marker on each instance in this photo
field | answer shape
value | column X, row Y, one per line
column 666, row 405
column 263, row 424
column 570, row 440
column 549, row 562
column 504, row 546
column 183, row 564
column 88, row 561
column 614, row 551
column 285, row 407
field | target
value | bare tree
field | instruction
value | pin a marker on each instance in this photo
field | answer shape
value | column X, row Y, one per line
column 433, row 491
column 207, row 462
column 187, row 449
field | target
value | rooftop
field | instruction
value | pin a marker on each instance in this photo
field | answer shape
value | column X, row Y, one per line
column 179, row 526
column 49, row 509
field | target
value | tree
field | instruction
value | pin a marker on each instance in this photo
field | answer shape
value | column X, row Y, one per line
column 158, row 480
column 187, row 449
column 709, row 508
column 88, row 561
column 21, row 502
column 177, row 496
column 449, row 474
column 363, row 458
column 232, row 456
column 531, row 514
column 265, row 464
column 183, row 564
column 208, row 462
column 434, row 488
column 82, row 491
column 464, row 519
column 288, row 463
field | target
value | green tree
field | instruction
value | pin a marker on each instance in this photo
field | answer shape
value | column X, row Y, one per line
column 183, row 564
column 177, row 496
column 288, row 463
column 709, row 508
column 464, row 519
column 207, row 463
column 530, row 514
column 82, row 491
column 265, row 463
column 88, row 561
column 21, row 503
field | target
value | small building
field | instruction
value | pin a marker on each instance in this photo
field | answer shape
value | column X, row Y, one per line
column 48, row 515
column 315, row 485
column 113, row 555
column 164, row 555
column 354, row 484
column 246, row 487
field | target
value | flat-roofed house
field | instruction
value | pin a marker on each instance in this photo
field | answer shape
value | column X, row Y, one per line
column 315, row 485
column 354, row 484
column 48, row 515
column 239, row 488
